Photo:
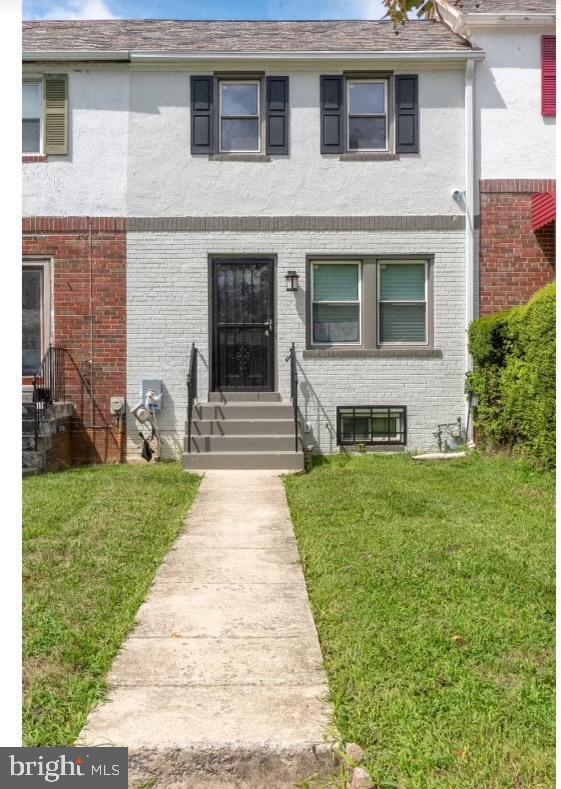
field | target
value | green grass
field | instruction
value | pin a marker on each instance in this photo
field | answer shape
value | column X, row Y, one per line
column 432, row 587
column 94, row 538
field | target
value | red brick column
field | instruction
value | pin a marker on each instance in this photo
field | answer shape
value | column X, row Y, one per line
column 89, row 316
column 514, row 261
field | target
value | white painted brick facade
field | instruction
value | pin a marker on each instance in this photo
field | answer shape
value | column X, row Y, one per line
column 168, row 309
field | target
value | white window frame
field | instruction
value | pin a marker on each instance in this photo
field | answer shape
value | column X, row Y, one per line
column 379, row 80
column 255, row 82
column 46, row 303
column 36, row 80
column 392, row 262
column 327, row 261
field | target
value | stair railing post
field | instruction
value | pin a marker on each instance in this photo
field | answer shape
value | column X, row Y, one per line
column 294, row 390
column 191, row 391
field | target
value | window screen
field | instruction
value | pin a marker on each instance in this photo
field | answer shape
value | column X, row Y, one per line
column 335, row 302
column 402, row 302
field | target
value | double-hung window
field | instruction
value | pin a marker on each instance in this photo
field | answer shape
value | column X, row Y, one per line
column 367, row 114
column 31, row 124
column 336, row 291
column 402, row 302
column 372, row 302
column 240, row 116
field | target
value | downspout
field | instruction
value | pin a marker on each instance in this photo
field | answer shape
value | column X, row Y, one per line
column 92, row 406
column 470, row 220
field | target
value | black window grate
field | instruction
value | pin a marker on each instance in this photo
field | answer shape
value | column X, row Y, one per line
column 381, row 425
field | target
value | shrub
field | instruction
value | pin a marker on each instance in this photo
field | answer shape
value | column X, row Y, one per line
column 514, row 378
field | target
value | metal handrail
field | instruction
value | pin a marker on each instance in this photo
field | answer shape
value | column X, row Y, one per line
column 191, row 391
column 294, row 390
column 48, row 386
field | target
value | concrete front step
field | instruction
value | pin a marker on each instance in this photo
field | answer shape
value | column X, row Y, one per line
column 244, row 397
column 241, row 443
column 291, row 461
column 242, row 427
column 243, row 410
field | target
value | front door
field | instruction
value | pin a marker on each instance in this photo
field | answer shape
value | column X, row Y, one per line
column 243, row 323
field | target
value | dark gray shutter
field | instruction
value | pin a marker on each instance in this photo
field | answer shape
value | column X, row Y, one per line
column 332, row 95
column 277, row 115
column 202, row 111
column 406, row 113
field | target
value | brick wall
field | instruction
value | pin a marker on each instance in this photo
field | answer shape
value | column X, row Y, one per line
column 168, row 309
column 514, row 261
column 89, row 320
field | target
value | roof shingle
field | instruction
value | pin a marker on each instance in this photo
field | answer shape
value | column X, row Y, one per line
column 505, row 6
column 237, row 37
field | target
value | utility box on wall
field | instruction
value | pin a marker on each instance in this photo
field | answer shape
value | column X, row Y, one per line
column 154, row 384
column 117, row 406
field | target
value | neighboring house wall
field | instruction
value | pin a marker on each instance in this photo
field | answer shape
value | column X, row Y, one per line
column 165, row 179
column 91, row 179
column 88, row 276
column 514, row 261
column 516, row 158
column 168, row 309
column 514, row 139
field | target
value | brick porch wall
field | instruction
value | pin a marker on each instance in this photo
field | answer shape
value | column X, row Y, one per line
column 514, row 261
column 89, row 262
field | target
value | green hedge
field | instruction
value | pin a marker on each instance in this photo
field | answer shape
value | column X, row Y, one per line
column 514, row 378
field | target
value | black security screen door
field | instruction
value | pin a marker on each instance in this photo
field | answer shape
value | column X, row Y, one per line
column 243, row 322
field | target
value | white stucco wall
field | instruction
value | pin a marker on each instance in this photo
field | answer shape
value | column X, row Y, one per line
column 92, row 178
column 168, row 309
column 513, row 139
column 130, row 153
column 165, row 180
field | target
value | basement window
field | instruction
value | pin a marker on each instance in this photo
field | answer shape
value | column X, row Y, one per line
column 371, row 424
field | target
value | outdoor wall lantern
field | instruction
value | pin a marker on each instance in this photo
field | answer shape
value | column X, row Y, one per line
column 291, row 280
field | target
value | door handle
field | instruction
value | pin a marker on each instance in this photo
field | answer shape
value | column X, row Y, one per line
column 268, row 326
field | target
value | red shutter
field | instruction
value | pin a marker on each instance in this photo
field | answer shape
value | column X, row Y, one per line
column 548, row 75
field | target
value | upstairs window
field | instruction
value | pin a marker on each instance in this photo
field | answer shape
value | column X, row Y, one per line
column 44, row 122
column 31, row 124
column 548, row 76
column 370, row 115
column 239, row 117
column 367, row 122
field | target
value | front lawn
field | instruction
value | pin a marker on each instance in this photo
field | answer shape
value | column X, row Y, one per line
column 94, row 538
column 432, row 587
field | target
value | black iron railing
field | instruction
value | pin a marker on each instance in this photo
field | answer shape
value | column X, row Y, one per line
column 48, row 386
column 294, row 391
column 191, row 391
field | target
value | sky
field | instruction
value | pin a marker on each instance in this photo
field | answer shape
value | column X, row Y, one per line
column 207, row 9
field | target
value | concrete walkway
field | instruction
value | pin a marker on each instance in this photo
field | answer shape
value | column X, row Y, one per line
column 221, row 682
